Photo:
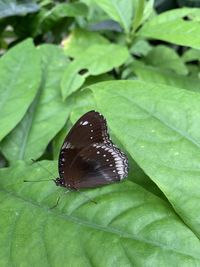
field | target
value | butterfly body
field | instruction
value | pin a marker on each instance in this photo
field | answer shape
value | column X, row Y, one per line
column 88, row 158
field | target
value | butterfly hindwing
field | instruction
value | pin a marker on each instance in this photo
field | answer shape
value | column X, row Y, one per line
column 98, row 164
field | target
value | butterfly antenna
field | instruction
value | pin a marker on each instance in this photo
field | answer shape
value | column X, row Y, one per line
column 26, row 181
column 34, row 161
column 67, row 191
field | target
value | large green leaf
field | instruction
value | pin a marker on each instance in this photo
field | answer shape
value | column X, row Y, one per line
column 46, row 116
column 20, row 75
column 118, row 10
column 96, row 60
column 127, row 227
column 171, row 27
column 159, row 127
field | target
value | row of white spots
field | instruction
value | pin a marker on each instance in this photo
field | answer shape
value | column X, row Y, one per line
column 67, row 145
column 86, row 123
column 119, row 157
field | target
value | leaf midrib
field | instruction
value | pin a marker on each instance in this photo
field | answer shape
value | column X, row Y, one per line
column 29, row 127
column 95, row 226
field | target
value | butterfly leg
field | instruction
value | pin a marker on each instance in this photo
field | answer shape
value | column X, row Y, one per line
column 59, row 197
column 85, row 195
column 57, row 201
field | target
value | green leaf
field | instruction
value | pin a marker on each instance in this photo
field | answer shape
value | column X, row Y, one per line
column 20, row 75
column 164, row 57
column 120, row 11
column 79, row 40
column 171, row 27
column 148, row 10
column 128, row 226
column 191, row 55
column 59, row 139
column 159, row 127
column 62, row 11
column 96, row 60
column 140, row 48
column 46, row 116
column 139, row 6
column 157, row 75
column 14, row 7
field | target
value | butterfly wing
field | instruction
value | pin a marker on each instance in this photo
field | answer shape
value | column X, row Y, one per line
column 96, row 165
column 90, row 128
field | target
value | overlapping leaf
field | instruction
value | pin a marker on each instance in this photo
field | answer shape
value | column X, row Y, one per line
column 79, row 40
column 159, row 126
column 47, row 19
column 46, row 116
column 174, row 26
column 120, row 11
column 97, row 59
column 157, row 75
column 164, row 57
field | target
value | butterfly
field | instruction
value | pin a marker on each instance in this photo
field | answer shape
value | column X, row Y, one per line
column 88, row 158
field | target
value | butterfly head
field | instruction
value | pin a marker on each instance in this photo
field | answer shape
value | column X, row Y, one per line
column 59, row 181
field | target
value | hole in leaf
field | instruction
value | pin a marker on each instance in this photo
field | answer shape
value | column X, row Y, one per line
column 83, row 71
column 186, row 18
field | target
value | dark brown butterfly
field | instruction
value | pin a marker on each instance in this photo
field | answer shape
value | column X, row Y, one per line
column 88, row 158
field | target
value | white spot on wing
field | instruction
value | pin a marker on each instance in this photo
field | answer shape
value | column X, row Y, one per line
column 67, row 145
column 118, row 158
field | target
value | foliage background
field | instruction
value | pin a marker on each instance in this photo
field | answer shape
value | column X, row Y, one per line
column 136, row 63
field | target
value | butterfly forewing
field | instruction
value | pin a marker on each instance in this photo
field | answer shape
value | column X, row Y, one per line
column 88, row 158
column 90, row 128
